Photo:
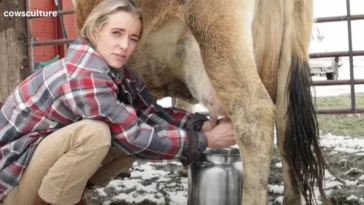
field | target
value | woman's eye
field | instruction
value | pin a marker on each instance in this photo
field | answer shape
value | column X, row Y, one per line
column 135, row 39
column 117, row 33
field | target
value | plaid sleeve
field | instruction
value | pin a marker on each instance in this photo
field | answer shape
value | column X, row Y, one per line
column 93, row 96
column 147, row 108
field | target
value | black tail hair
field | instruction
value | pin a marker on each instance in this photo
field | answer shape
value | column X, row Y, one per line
column 304, row 156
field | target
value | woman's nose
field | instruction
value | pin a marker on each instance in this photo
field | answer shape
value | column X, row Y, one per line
column 124, row 42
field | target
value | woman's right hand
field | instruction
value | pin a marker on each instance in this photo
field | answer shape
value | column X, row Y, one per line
column 221, row 136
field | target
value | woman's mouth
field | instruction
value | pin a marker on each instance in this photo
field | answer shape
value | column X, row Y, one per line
column 120, row 57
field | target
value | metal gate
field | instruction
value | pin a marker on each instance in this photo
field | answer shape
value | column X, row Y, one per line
column 352, row 82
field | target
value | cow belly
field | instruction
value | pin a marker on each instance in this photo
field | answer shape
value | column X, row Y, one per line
column 172, row 55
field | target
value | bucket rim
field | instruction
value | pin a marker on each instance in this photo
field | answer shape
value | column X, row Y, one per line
column 231, row 151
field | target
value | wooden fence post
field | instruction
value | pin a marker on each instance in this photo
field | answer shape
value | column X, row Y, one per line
column 14, row 47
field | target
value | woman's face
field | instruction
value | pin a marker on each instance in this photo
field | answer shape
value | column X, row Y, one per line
column 118, row 38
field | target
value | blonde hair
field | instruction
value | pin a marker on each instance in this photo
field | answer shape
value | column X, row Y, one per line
column 99, row 15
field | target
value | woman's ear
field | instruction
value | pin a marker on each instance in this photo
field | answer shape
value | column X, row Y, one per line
column 94, row 38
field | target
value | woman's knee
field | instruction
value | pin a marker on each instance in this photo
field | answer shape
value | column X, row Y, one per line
column 96, row 133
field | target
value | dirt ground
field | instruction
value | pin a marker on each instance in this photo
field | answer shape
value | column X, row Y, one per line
column 347, row 189
column 348, row 168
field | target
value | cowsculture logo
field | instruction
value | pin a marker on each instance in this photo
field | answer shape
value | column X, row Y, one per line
column 35, row 13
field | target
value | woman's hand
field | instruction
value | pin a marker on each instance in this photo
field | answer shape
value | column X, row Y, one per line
column 208, row 125
column 221, row 136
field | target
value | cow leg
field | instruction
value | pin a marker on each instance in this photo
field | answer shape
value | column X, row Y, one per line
column 297, row 126
column 224, row 33
column 291, row 192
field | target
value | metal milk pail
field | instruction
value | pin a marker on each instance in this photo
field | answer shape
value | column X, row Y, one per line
column 216, row 179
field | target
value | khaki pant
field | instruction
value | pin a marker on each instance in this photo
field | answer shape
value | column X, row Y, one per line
column 65, row 161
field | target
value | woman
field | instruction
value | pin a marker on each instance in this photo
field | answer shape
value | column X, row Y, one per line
column 88, row 118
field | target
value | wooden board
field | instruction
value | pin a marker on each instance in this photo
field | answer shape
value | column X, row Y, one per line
column 14, row 47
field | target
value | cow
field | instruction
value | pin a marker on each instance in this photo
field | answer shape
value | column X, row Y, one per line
column 244, row 59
